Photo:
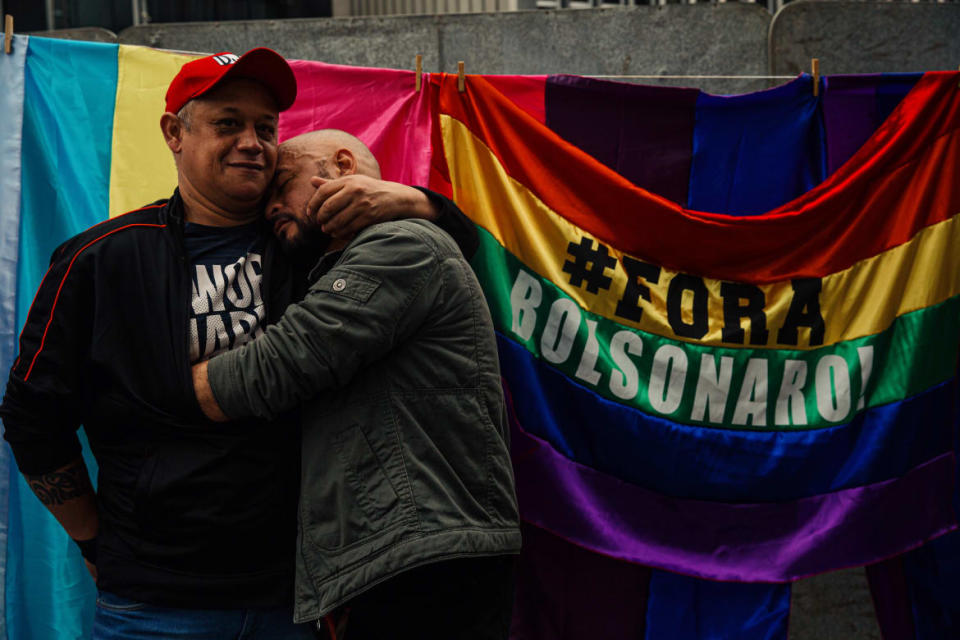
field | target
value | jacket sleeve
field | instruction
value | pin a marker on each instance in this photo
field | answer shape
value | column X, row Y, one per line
column 454, row 222
column 41, row 407
column 378, row 293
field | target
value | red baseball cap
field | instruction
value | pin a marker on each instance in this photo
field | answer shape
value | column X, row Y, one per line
column 261, row 64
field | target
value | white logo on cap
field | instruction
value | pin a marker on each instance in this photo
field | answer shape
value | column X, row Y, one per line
column 226, row 58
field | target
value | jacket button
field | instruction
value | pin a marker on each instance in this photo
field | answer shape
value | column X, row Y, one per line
column 339, row 284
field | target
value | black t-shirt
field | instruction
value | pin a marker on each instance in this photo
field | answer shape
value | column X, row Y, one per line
column 226, row 308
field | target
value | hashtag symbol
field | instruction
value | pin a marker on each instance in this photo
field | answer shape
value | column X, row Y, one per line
column 589, row 264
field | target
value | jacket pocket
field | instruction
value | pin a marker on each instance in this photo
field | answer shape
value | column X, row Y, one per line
column 355, row 494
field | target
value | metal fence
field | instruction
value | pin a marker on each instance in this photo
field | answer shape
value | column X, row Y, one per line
column 428, row 7
column 772, row 5
column 422, row 7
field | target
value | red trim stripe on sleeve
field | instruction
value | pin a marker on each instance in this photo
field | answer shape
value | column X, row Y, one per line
column 40, row 288
column 64, row 279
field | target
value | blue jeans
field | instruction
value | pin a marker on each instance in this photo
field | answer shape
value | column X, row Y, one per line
column 118, row 618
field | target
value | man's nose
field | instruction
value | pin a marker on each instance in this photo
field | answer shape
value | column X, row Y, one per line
column 249, row 141
column 273, row 208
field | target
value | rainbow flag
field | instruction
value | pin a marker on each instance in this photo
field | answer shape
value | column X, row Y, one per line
column 749, row 398
column 706, row 406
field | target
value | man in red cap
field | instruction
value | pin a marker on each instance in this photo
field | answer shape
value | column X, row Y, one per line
column 191, row 531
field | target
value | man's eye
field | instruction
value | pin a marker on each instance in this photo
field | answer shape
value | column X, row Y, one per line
column 267, row 132
column 227, row 122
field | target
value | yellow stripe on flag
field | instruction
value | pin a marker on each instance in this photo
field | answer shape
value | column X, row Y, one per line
column 859, row 301
column 142, row 169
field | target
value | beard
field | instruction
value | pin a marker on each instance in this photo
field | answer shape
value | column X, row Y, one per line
column 307, row 244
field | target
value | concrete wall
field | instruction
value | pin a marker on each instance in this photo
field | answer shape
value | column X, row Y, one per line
column 92, row 34
column 712, row 39
column 833, row 606
column 853, row 37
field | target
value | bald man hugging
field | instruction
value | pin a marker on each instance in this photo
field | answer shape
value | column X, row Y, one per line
column 408, row 516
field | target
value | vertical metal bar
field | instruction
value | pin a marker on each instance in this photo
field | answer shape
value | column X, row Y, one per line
column 135, row 9
column 51, row 17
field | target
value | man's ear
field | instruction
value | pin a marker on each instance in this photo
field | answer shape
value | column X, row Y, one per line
column 172, row 130
column 346, row 162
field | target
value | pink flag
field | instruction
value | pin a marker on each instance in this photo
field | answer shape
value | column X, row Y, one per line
column 379, row 106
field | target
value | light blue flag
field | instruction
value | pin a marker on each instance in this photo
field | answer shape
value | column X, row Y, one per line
column 11, row 106
column 69, row 98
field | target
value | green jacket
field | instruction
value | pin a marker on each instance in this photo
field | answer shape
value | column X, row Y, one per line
column 405, row 438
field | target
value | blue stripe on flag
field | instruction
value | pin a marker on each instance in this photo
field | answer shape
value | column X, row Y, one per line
column 755, row 152
column 67, row 130
column 932, row 579
column 682, row 608
column 11, row 105
column 720, row 464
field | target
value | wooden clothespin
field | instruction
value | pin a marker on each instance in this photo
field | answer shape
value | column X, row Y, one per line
column 815, row 72
column 8, row 34
column 461, row 79
column 419, row 82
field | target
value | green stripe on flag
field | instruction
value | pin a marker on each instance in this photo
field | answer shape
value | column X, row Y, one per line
column 732, row 387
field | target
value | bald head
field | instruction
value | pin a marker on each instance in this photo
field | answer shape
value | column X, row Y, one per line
column 336, row 153
column 328, row 154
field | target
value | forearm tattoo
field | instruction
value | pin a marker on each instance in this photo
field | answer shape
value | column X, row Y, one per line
column 57, row 487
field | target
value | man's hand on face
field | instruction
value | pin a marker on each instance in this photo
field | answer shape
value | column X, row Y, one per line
column 344, row 206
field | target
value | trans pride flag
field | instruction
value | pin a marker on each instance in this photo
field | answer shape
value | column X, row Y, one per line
column 707, row 406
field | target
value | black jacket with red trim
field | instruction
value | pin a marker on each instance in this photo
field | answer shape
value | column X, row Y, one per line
column 192, row 514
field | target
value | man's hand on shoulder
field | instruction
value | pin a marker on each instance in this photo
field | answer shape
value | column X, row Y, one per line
column 347, row 205
column 206, row 400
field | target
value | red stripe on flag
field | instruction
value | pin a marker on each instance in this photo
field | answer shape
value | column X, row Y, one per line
column 901, row 181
